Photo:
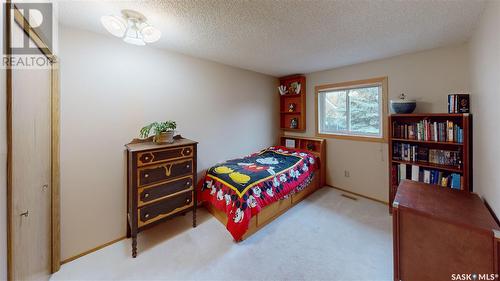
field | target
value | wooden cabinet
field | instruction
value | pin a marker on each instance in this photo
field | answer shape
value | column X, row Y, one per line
column 438, row 232
column 160, row 184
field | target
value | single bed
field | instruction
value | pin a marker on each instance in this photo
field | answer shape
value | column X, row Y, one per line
column 247, row 193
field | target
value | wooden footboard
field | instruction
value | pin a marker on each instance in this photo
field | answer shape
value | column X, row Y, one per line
column 270, row 212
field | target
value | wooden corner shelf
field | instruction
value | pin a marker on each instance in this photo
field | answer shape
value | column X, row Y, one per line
column 299, row 101
column 400, row 126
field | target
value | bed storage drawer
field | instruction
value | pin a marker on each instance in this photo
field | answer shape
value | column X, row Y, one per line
column 158, row 210
column 165, row 171
column 301, row 194
column 155, row 156
column 306, row 191
column 273, row 210
column 153, row 193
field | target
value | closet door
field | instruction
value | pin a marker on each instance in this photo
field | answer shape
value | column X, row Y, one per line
column 30, row 213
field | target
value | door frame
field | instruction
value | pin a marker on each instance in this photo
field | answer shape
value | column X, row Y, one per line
column 55, row 140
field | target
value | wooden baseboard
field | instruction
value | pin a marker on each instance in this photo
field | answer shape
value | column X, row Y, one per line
column 92, row 250
column 357, row 194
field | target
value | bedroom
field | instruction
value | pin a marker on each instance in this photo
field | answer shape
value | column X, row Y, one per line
column 215, row 71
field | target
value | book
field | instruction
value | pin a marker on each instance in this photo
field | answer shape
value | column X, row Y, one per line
column 417, row 153
column 427, row 176
column 455, row 181
column 458, row 103
column 426, row 130
column 434, row 178
column 431, row 176
column 415, row 172
column 395, row 175
column 423, row 154
column 450, row 130
column 435, row 132
column 289, row 143
column 402, row 172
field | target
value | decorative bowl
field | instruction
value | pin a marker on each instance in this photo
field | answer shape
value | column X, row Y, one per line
column 403, row 106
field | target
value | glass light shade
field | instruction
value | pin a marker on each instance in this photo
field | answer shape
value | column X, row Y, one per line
column 150, row 34
column 134, row 41
column 114, row 25
column 133, row 36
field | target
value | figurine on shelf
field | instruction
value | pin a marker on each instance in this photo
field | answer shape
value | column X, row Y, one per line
column 294, row 123
column 297, row 90
column 283, row 90
column 294, row 88
column 310, row 146
column 291, row 107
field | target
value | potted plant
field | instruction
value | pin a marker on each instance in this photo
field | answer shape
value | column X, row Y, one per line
column 163, row 131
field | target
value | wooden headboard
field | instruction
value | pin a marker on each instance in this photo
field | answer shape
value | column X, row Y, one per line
column 316, row 145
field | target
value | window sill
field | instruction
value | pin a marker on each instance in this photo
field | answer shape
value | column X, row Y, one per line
column 354, row 138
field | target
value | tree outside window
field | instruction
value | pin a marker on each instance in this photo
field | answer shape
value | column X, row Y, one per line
column 356, row 111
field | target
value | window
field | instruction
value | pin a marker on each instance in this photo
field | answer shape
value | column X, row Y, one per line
column 352, row 109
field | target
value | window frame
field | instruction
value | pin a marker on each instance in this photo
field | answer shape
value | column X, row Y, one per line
column 379, row 81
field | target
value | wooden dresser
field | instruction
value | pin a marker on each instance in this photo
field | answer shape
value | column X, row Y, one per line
column 160, row 184
column 439, row 232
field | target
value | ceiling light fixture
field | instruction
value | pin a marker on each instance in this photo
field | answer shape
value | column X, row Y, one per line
column 132, row 27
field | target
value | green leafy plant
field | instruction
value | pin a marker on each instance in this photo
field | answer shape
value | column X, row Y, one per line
column 157, row 128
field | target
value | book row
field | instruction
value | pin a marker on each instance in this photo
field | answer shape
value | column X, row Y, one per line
column 416, row 153
column 426, row 130
column 415, row 173
column 458, row 103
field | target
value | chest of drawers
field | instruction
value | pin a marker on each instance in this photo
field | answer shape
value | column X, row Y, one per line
column 160, row 184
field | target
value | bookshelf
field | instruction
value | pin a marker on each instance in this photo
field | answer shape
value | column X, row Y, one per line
column 434, row 148
column 297, row 99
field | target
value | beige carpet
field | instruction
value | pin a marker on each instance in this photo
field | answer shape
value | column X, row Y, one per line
column 325, row 237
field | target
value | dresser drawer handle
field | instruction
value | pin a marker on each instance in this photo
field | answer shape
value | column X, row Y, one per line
column 188, row 200
column 146, row 195
column 146, row 158
column 188, row 183
column 187, row 166
column 146, row 215
column 188, row 151
column 146, row 175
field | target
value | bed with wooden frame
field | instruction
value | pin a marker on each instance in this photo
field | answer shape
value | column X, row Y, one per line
column 270, row 212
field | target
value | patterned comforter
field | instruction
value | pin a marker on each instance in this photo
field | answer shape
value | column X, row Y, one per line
column 242, row 187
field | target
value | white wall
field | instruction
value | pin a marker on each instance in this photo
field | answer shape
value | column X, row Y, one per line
column 110, row 89
column 485, row 83
column 426, row 76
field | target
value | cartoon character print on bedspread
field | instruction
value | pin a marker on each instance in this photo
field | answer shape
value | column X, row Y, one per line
column 242, row 187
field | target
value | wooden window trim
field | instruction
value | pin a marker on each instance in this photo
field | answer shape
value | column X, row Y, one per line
column 383, row 81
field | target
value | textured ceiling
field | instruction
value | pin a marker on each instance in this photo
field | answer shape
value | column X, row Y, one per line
column 280, row 37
